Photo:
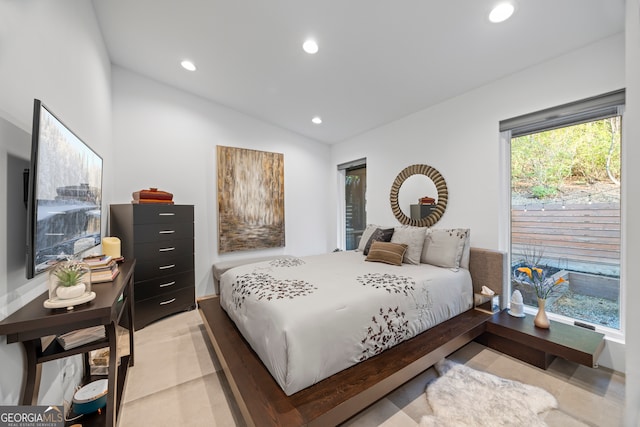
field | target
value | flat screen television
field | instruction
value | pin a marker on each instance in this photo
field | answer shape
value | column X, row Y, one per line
column 64, row 202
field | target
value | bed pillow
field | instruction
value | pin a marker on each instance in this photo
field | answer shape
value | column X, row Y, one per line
column 366, row 235
column 387, row 252
column 466, row 251
column 444, row 247
column 414, row 238
column 379, row 235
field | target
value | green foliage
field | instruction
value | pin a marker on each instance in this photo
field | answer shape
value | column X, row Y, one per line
column 540, row 191
column 542, row 163
column 69, row 275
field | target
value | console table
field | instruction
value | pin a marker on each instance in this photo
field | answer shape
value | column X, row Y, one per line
column 32, row 322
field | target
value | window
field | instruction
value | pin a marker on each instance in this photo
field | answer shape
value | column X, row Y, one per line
column 355, row 216
column 565, row 206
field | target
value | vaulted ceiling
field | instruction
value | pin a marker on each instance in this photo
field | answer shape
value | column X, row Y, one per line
column 378, row 60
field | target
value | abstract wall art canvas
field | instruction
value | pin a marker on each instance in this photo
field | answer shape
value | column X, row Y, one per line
column 250, row 199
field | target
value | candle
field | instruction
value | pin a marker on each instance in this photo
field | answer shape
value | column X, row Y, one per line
column 111, row 246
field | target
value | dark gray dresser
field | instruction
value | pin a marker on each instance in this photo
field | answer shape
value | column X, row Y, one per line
column 160, row 238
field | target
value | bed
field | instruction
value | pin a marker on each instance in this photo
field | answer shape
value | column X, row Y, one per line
column 315, row 372
column 309, row 318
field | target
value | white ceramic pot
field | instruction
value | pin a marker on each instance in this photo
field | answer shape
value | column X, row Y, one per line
column 68, row 292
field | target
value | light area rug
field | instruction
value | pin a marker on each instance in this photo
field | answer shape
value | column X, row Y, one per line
column 462, row 396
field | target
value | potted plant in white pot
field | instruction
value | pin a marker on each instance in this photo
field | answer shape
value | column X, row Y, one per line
column 69, row 279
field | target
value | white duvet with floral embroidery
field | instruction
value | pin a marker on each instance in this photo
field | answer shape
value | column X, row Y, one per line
column 309, row 318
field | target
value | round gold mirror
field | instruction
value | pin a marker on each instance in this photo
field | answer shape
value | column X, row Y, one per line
column 436, row 211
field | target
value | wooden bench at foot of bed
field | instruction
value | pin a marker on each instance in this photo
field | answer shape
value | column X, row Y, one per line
column 339, row 397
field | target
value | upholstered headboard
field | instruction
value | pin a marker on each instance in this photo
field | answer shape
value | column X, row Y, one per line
column 489, row 268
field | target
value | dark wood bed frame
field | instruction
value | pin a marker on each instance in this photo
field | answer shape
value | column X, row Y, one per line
column 337, row 398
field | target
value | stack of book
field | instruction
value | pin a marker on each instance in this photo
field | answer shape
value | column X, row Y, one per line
column 81, row 336
column 104, row 268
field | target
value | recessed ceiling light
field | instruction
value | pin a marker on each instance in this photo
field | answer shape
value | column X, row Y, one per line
column 501, row 12
column 316, row 120
column 310, row 46
column 188, row 65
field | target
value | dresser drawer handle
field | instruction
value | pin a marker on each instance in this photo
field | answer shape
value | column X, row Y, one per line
column 166, row 214
column 168, row 301
column 167, row 232
column 165, row 267
column 164, row 285
column 166, row 249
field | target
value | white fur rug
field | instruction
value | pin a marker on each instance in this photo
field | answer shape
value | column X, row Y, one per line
column 462, row 396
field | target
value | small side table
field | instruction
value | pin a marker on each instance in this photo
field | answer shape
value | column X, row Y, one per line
column 519, row 338
column 32, row 322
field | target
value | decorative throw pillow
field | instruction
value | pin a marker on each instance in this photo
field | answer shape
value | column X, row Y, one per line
column 366, row 235
column 379, row 235
column 414, row 238
column 387, row 252
column 444, row 247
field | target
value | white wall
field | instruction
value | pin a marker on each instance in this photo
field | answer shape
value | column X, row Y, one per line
column 166, row 138
column 460, row 138
column 52, row 51
column 631, row 207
